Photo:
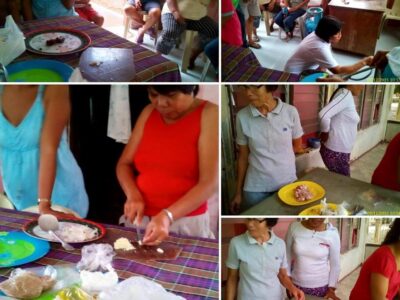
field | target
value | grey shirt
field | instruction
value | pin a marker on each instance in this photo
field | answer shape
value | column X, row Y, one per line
column 271, row 162
column 258, row 266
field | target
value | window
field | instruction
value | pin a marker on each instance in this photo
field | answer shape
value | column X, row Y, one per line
column 377, row 229
column 349, row 231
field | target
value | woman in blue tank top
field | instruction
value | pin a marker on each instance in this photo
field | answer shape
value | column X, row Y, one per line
column 36, row 164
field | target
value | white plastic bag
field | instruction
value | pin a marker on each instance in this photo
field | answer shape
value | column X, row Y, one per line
column 12, row 42
column 394, row 60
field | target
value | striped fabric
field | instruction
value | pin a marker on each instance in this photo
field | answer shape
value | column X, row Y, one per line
column 240, row 64
column 149, row 65
column 193, row 275
column 206, row 27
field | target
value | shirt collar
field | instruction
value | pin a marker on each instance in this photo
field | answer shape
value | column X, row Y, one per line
column 252, row 240
column 256, row 113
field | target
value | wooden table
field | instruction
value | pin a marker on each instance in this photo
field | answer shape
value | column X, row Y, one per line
column 194, row 275
column 361, row 24
column 149, row 66
column 339, row 188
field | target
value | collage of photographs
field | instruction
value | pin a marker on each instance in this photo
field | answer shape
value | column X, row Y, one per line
column 200, row 149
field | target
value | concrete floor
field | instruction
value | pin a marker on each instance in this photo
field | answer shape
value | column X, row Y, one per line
column 346, row 284
column 275, row 52
column 113, row 22
column 363, row 168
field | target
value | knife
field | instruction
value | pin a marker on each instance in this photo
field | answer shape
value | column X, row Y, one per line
column 138, row 232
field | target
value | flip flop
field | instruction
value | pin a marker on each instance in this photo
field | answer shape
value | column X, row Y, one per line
column 256, row 38
column 255, row 45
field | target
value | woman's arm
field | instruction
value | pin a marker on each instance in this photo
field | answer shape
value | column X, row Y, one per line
column 231, row 284
column 298, row 146
column 68, row 4
column 134, row 205
column 57, row 112
column 366, row 61
column 27, row 10
column 300, row 5
column 334, row 263
column 242, row 164
column 174, row 9
column 379, row 285
column 157, row 230
column 287, row 283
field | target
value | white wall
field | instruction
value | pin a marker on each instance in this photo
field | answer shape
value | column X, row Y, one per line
column 350, row 260
column 209, row 92
column 366, row 139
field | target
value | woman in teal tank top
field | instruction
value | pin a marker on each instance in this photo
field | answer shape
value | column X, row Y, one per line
column 35, row 159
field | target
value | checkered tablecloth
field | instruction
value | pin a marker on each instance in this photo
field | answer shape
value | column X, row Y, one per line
column 241, row 65
column 193, row 275
column 149, row 66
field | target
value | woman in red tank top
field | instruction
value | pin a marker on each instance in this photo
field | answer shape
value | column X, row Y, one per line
column 169, row 168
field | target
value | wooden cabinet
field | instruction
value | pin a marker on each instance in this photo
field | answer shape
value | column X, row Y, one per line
column 361, row 24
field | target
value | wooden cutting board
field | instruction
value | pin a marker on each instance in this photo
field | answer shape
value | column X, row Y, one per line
column 171, row 251
column 107, row 64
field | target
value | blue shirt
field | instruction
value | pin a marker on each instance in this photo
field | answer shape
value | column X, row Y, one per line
column 270, row 140
column 19, row 163
column 51, row 9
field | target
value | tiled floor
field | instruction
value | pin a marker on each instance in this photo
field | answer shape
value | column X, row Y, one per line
column 363, row 168
column 346, row 284
column 275, row 52
column 114, row 23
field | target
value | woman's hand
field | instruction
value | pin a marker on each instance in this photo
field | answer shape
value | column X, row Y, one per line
column 57, row 214
column 157, row 230
column 330, row 294
column 134, row 208
column 324, row 136
column 235, row 204
column 178, row 17
column 297, row 293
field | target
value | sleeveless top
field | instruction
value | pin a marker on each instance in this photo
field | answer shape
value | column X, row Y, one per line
column 19, row 163
column 167, row 161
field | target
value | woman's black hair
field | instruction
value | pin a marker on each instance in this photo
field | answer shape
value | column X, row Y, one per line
column 271, row 222
column 393, row 235
column 168, row 88
column 327, row 27
column 271, row 88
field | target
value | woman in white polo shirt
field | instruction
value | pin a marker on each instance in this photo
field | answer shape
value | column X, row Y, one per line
column 315, row 51
column 268, row 135
column 338, row 124
column 313, row 253
column 257, row 265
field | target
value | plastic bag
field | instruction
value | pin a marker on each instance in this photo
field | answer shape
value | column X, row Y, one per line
column 12, row 42
column 96, row 257
column 394, row 60
column 138, row 288
column 73, row 293
column 28, row 285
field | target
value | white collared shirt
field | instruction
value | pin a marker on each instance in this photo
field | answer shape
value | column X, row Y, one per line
column 340, row 119
column 270, row 141
column 258, row 266
column 314, row 256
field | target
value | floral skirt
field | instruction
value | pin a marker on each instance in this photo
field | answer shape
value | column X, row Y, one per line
column 318, row 292
column 337, row 162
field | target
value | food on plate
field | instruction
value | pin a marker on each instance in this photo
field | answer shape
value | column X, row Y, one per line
column 57, row 40
column 123, row 244
column 95, row 63
column 26, row 285
column 159, row 250
column 71, row 232
column 302, row 193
